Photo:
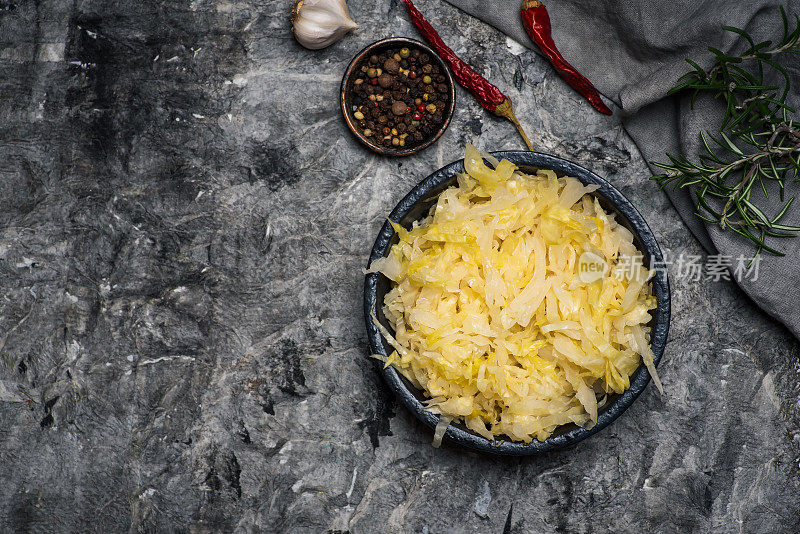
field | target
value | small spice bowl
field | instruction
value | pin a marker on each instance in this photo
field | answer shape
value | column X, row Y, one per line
column 431, row 122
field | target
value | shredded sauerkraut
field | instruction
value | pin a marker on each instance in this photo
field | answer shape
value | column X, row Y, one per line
column 517, row 303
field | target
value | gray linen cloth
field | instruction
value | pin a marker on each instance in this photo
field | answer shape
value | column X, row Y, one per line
column 634, row 51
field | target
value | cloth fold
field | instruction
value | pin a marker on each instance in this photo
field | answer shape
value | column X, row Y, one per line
column 634, row 51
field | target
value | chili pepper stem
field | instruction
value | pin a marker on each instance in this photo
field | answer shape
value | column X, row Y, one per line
column 505, row 109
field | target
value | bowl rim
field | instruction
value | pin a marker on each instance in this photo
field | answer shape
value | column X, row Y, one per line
column 349, row 121
column 640, row 377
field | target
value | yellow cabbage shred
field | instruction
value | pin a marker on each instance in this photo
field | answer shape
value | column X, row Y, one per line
column 491, row 316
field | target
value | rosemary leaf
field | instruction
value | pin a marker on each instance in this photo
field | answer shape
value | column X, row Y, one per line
column 759, row 140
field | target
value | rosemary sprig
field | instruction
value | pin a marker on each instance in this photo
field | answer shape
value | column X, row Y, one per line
column 758, row 142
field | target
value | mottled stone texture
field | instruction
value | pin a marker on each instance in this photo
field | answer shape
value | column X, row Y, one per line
column 183, row 223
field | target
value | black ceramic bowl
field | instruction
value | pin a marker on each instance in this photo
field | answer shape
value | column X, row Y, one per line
column 346, row 94
column 417, row 204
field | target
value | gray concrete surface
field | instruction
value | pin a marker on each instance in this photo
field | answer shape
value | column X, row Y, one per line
column 183, row 224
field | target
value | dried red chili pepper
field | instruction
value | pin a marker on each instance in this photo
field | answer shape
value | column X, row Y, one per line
column 536, row 20
column 488, row 95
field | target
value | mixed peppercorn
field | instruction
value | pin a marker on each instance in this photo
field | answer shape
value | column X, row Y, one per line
column 399, row 97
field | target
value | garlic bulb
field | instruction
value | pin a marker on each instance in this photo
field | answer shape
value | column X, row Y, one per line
column 319, row 23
